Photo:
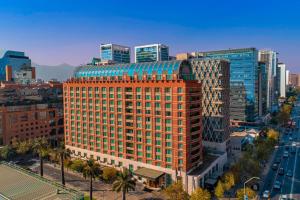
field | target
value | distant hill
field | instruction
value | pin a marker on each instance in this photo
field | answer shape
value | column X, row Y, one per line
column 60, row 72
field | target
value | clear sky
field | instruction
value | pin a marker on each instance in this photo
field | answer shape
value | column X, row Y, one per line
column 70, row 31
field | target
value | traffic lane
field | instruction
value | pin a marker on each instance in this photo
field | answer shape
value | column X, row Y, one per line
column 296, row 178
column 287, row 182
column 276, row 192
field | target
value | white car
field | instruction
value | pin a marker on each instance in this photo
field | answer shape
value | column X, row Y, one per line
column 283, row 197
column 277, row 185
column 266, row 194
column 286, row 154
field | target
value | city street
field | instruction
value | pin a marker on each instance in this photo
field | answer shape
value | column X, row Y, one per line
column 287, row 156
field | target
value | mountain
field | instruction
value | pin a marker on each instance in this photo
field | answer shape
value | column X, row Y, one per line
column 60, row 72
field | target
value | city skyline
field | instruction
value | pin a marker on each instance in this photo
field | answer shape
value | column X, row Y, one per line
column 53, row 32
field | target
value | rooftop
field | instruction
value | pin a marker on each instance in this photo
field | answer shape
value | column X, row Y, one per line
column 17, row 183
column 181, row 68
column 148, row 173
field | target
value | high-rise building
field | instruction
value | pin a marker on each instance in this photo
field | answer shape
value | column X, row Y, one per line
column 115, row 53
column 16, row 59
column 214, row 76
column 243, row 69
column 146, row 117
column 238, row 96
column 287, row 77
column 270, row 58
column 294, row 80
column 151, row 53
column 262, row 88
column 281, row 80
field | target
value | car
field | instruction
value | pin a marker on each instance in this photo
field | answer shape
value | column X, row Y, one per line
column 283, row 197
column 277, row 185
column 281, row 171
column 290, row 138
column 266, row 194
column 289, row 173
column 274, row 166
column 286, row 154
column 277, row 160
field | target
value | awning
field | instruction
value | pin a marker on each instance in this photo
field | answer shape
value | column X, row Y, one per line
column 148, row 173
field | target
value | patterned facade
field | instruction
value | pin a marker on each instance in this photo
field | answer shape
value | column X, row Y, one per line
column 214, row 76
column 136, row 115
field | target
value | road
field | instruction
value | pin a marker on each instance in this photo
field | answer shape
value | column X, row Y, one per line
column 290, row 185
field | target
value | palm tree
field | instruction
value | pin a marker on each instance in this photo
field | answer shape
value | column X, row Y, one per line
column 92, row 170
column 124, row 183
column 61, row 153
column 40, row 146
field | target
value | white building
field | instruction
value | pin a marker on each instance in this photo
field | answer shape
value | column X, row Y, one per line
column 281, row 79
column 287, row 77
column 151, row 53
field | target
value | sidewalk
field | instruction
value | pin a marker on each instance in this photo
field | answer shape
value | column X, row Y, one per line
column 102, row 191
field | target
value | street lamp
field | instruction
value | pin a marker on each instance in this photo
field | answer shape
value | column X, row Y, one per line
column 246, row 183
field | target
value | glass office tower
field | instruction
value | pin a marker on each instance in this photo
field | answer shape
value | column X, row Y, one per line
column 243, row 69
column 115, row 53
column 151, row 53
column 15, row 59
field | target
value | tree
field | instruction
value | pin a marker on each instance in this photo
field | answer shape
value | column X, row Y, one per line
column 249, row 192
column 6, row 152
column 176, row 192
column 109, row 174
column 61, row 153
column 219, row 190
column 77, row 165
column 273, row 135
column 24, row 147
column 228, row 180
column 124, row 183
column 92, row 170
column 41, row 147
column 200, row 194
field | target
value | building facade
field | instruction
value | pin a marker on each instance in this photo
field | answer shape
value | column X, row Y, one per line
column 115, row 53
column 15, row 59
column 281, row 80
column 31, row 111
column 294, row 80
column 243, row 69
column 151, row 53
column 270, row 58
column 145, row 115
column 214, row 76
column 262, row 89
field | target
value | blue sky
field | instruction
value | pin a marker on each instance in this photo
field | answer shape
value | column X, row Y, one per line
column 70, row 31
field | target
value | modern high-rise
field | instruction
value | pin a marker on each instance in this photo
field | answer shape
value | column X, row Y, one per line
column 281, row 80
column 243, row 69
column 15, row 59
column 262, row 88
column 151, row 53
column 287, row 77
column 115, row 53
column 270, row 58
column 145, row 117
column 214, row 76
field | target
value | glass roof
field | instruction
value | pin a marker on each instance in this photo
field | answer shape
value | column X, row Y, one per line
column 164, row 67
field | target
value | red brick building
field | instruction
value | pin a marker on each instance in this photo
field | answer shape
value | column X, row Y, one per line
column 141, row 116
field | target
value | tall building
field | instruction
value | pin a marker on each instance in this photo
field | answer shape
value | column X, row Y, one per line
column 270, row 58
column 151, row 53
column 262, row 88
column 294, row 80
column 238, row 96
column 281, row 80
column 214, row 76
column 287, row 77
column 16, row 59
column 243, row 69
column 146, row 117
column 115, row 53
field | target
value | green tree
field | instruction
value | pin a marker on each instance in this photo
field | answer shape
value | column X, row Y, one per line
column 109, row 174
column 219, row 190
column 24, row 147
column 92, row 170
column 176, row 192
column 41, row 147
column 124, row 183
column 228, row 180
column 249, row 192
column 200, row 194
column 77, row 165
column 61, row 154
column 7, row 152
